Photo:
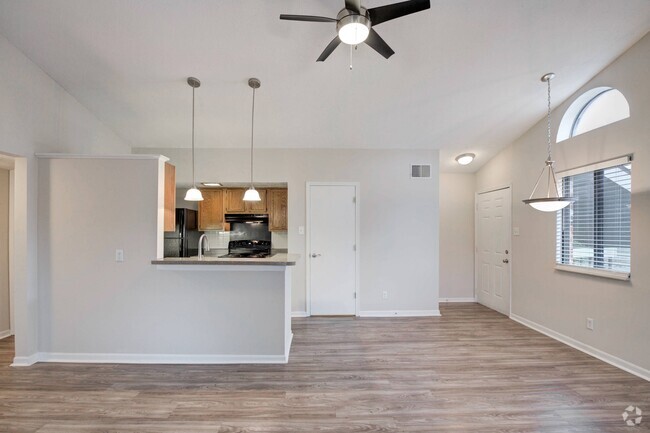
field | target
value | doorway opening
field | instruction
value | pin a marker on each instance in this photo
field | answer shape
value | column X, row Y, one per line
column 333, row 249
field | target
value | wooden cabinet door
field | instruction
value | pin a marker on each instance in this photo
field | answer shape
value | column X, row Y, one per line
column 234, row 200
column 170, row 198
column 211, row 210
column 257, row 206
column 278, row 209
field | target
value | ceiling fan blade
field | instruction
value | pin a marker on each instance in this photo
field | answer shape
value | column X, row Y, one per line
column 329, row 49
column 378, row 44
column 382, row 14
column 310, row 18
column 353, row 5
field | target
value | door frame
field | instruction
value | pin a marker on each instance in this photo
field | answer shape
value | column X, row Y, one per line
column 476, row 258
column 357, row 238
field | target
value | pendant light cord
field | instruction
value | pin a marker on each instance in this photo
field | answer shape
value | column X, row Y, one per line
column 252, row 133
column 193, row 179
column 548, row 120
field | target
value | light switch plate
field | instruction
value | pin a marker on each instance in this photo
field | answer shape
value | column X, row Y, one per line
column 515, row 231
column 119, row 256
column 301, row 230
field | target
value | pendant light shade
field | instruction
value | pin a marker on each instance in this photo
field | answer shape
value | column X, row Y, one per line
column 251, row 194
column 552, row 201
column 193, row 194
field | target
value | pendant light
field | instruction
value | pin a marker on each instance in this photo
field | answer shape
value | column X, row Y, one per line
column 251, row 193
column 553, row 201
column 193, row 194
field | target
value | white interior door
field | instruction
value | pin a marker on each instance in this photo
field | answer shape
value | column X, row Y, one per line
column 493, row 250
column 332, row 255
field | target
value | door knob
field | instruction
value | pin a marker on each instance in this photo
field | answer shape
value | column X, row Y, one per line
column 506, row 261
column 314, row 255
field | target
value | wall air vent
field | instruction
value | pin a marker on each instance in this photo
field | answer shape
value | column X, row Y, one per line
column 421, row 170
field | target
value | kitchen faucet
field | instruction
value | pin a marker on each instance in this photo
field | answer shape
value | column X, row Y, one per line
column 207, row 245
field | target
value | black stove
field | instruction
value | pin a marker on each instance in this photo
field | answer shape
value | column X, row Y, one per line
column 248, row 249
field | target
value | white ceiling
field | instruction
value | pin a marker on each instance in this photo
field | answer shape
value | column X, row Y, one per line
column 465, row 76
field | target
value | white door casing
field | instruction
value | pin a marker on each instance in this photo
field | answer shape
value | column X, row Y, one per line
column 332, row 254
column 493, row 249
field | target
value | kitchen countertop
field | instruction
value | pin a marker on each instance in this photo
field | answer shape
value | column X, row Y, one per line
column 278, row 259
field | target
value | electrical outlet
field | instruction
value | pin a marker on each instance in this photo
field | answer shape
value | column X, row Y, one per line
column 384, row 294
column 590, row 323
column 119, row 256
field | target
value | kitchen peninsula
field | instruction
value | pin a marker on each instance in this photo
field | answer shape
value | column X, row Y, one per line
column 120, row 301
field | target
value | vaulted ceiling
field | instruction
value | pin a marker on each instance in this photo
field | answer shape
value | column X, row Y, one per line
column 465, row 76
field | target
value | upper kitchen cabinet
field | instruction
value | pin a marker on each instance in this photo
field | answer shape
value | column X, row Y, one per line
column 234, row 202
column 211, row 210
column 170, row 198
column 278, row 220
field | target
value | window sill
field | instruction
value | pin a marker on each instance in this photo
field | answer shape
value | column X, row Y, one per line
column 622, row 276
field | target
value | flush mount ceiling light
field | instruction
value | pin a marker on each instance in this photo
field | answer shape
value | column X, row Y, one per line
column 193, row 194
column 465, row 158
column 251, row 193
column 553, row 201
column 211, row 184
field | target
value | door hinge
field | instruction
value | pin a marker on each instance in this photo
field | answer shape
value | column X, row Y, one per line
column 354, row 247
column 354, row 199
column 355, row 295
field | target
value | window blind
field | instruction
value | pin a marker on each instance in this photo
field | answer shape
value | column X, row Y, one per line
column 594, row 231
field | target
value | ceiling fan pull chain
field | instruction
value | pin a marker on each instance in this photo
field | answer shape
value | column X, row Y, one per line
column 350, row 57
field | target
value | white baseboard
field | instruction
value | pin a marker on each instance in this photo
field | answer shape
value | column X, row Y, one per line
column 589, row 350
column 299, row 314
column 26, row 361
column 457, row 299
column 5, row 334
column 136, row 358
column 400, row 313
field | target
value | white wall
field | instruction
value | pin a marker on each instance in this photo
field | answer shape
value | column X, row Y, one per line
column 38, row 115
column 399, row 215
column 562, row 301
column 457, row 236
column 5, row 324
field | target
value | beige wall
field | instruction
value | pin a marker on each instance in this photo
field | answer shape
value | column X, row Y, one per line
column 562, row 301
column 38, row 115
column 5, row 323
column 457, row 236
column 399, row 215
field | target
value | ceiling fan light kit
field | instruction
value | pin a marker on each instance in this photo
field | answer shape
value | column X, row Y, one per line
column 352, row 29
column 553, row 201
column 354, row 24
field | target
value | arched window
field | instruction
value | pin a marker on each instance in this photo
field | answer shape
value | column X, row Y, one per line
column 593, row 109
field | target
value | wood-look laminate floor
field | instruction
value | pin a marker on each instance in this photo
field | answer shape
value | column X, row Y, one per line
column 472, row 370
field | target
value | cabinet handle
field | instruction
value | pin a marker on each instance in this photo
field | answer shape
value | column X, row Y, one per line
column 314, row 255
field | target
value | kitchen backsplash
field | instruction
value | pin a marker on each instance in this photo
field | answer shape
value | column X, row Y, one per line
column 220, row 239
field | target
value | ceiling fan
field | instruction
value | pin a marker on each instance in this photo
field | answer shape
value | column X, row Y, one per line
column 354, row 24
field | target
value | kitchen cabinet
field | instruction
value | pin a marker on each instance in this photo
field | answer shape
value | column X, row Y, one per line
column 211, row 210
column 170, row 198
column 234, row 202
column 278, row 209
